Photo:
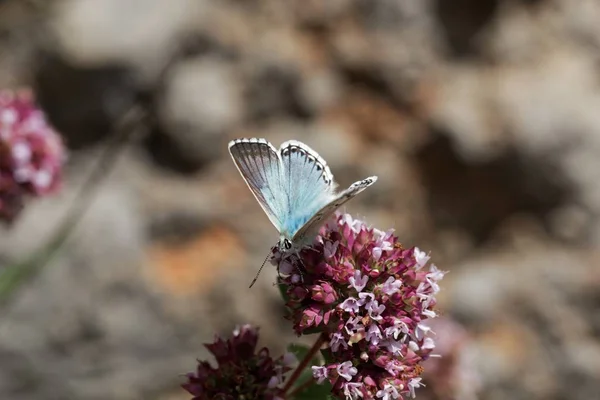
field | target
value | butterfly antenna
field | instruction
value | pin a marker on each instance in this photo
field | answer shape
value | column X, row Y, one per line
column 258, row 273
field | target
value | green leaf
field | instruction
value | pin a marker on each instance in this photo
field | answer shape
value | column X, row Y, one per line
column 299, row 350
column 283, row 291
column 315, row 392
column 327, row 356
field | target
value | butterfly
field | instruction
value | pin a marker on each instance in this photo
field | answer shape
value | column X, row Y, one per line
column 293, row 185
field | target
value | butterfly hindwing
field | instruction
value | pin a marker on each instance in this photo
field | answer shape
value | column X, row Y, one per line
column 308, row 183
column 311, row 227
column 260, row 166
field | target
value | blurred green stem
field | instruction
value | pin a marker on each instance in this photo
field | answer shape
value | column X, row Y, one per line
column 13, row 276
column 304, row 363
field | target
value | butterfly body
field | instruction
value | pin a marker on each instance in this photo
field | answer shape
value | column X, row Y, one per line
column 293, row 185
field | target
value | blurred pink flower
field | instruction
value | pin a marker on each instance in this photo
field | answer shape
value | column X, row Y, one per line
column 31, row 153
column 378, row 294
column 453, row 374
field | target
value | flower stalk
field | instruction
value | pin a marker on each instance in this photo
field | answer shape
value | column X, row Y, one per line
column 305, row 362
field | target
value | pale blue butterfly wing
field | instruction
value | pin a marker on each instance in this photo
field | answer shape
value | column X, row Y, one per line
column 309, row 185
column 294, row 185
column 260, row 166
column 308, row 231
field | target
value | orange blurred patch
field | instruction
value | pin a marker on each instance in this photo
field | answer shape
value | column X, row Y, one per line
column 515, row 343
column 193, row 266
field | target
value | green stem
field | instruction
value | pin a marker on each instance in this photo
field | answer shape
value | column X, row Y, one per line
column 309, row 356
column 12, row 277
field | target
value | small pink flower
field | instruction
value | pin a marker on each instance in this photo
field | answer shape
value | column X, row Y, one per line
column 353, row 390
column 413, row 384
column 391, row 286
column 433, row 277
column 354, row 325
column 358, row 282
column 350, row 305
column 346, row 370
column 429, row 313
column 337, row 340
column 424, row 295
column 388, row 392
column 395, row 330
column 394, row 367
column 365, row 298
column 413, row 346
column 330, row 249
column 421, row 258
column 375, row 310
column 428, row 344
column 320, row 374
column 393, row 346
column 374, row 334
column 422, row 330
column 378, row 250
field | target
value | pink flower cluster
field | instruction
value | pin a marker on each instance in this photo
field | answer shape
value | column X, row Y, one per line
column 241, row 371
column 31, row 153
column 369, row 296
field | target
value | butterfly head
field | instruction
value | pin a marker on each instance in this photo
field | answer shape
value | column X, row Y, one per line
column 284, row 244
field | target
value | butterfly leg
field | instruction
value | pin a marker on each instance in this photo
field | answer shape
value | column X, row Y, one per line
column 303, row 266
column 288, row 255
column 279, row 276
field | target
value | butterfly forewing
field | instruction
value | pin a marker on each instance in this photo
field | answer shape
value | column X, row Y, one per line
column 311, row 227
column 260, row 166
column 308, row 183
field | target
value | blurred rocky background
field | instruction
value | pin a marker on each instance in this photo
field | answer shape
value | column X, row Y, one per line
column 481, row 118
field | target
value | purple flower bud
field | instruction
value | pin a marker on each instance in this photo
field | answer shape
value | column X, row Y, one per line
column 324, row 293
column 311, row 316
